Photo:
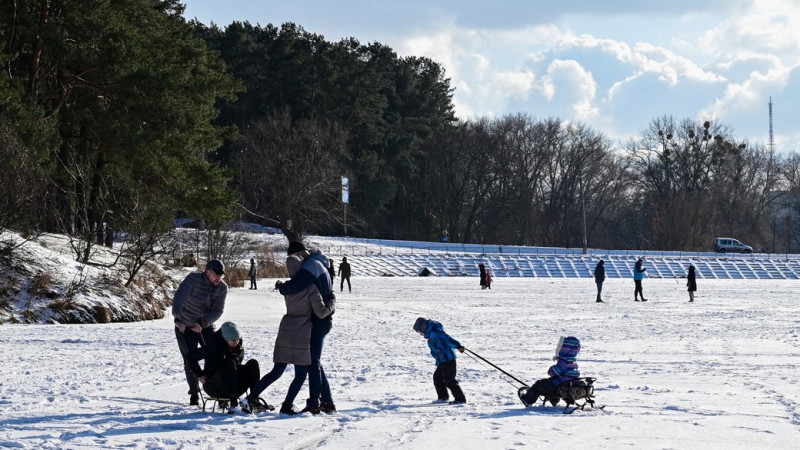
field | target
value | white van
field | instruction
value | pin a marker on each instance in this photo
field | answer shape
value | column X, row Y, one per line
column 726, row 245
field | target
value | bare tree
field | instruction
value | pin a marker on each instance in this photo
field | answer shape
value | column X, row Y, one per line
column 291, row 171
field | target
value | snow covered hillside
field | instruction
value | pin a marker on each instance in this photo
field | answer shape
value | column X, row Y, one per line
column 718, row 373
column 40, row 282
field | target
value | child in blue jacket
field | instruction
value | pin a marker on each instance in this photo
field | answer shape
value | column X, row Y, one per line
column 565, row 369
column 442, row 345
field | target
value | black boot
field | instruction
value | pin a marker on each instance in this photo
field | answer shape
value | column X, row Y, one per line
column 288, row 409
column 194, row 399
column 327, row 408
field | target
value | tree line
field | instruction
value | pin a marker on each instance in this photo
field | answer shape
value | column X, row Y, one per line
column 116, row 116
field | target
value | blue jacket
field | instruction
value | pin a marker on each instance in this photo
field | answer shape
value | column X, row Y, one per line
column 440, row 343
column 638, row 271
column 314, row 271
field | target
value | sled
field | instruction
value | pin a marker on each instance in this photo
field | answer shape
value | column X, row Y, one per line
column 576, row 394
column 224, row 404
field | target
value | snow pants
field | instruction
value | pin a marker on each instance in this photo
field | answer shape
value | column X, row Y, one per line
column 188, row 341
column 545, row 388
column 232, row 380
column 444, row 377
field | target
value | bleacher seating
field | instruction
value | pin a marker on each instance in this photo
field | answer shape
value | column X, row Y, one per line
column 566, row 266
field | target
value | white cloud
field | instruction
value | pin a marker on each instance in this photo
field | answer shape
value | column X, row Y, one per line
column 573, row 85
column 750, row 94
column 769, row 26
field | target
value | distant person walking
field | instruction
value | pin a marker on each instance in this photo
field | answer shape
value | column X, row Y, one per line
column 599, row 278
column 638, row 276
column 197, row 304
column 488, row 278
column 344, row 273
column 691, row 282
column 331, row 270
column 253, row 274
column 484, row 281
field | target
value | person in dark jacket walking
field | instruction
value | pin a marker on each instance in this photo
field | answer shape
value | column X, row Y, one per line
column 224, row 375
column 441, row 346
column 691, row 282
column 314, row 272
column 253, row 274
column 197, row 304
column 638, row 276
column 599, row 278
column 344, row 273
column 482, row 274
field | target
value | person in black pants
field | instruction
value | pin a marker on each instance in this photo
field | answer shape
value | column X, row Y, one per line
column 691, row 282
column 344, row 273
column 638, row 276
column 224, row 375
column 197, row 304
column 599, row 278
column 441, row 346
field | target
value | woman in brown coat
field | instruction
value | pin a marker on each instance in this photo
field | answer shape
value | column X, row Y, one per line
column 293, row 343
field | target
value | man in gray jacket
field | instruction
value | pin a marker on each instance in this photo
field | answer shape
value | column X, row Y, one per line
column 198, row 303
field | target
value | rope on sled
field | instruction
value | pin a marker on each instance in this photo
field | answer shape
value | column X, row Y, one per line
column 485, row 362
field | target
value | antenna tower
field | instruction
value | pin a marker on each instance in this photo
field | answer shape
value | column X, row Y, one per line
column 771, row 138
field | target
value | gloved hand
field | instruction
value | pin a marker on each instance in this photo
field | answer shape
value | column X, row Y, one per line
column 278, row 284
column 461, row 349
column 333, row 296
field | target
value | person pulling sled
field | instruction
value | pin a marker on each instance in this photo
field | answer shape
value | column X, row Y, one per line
column 442, row 346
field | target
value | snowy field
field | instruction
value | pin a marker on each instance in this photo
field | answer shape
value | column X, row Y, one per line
column 719, row 373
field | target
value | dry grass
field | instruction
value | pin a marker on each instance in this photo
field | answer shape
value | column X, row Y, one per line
column 270, row 265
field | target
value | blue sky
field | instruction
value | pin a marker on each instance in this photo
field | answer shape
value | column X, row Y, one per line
column 613, row 64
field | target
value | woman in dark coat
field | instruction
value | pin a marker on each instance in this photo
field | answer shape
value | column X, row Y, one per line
column 599, row 278
column 482, row 269
column 691, row 282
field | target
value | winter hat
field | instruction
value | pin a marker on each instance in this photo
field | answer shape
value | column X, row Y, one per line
column 421, row 325
column 295, row 247
column 216, row 266
column 568, row 348
column 230, row 331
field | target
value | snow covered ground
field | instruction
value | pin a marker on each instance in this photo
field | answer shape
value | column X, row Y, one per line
column 719, row 373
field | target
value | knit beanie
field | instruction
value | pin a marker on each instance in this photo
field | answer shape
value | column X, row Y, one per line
column 295, row 247
column 230, row 331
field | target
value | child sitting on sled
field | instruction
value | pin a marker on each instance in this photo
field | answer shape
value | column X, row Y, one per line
column 442, row 345
column 565, row 369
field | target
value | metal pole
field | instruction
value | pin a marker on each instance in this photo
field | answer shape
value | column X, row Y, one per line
column 583, row 211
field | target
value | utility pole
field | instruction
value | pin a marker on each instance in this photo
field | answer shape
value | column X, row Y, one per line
column 583, row 211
